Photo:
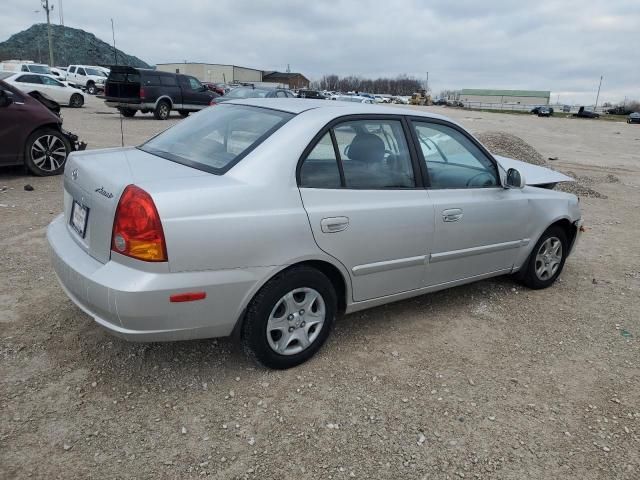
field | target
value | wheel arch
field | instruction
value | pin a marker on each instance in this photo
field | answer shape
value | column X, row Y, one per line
column 23, row 151
column 163, row 97
column 336, row 275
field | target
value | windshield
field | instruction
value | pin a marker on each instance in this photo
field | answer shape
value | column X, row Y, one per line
column 247, row 93
column 94, row 71
column 39, row 69
column 218, row 137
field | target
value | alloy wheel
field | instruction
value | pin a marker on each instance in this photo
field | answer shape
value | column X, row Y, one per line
column 48, row 153
column 296, row 321
column 548, row 258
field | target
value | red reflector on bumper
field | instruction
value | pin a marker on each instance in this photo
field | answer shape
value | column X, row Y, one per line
column 187, row 297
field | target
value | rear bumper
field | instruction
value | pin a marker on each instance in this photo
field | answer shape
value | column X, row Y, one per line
column 134, row 304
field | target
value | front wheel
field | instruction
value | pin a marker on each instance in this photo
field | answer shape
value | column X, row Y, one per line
column 91, row 88
column 46, row 152
column 290, row 318
column 546, row 260
column 76, row 100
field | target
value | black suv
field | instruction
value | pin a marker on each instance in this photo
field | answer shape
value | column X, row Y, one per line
column 131, row 89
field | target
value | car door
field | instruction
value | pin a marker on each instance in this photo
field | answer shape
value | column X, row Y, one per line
column 71, row 74
column 15, row 119
column 194, row 94
column 56, row 90
column 479, row 225
column 81, row 77
column 366, row 204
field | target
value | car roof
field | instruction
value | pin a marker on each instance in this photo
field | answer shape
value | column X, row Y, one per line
column 299, row 105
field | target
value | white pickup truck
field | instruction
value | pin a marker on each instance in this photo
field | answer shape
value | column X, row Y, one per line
column 88, row 77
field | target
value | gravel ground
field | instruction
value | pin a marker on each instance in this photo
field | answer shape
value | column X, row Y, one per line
column 487, row 380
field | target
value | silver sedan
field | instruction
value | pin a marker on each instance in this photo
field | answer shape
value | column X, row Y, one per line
column 270, row 217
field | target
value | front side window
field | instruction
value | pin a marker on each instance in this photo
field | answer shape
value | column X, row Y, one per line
column 194, row 84
column 374, row 154
column 29, row 79
column 52, row 82
column 81, row 71
column 452, row 159
column 217, row 138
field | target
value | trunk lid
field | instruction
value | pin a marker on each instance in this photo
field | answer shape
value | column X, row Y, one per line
column 96, row 180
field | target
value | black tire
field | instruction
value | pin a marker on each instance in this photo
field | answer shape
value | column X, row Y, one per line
column 91, row 88
column 127, row 112
column 76, row 100
column 268, row 299
column 51, row 162
column 162, row 110
column 528, row 275
column 184, row 113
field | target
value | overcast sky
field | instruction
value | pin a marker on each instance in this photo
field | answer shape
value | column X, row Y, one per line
column 558, row 45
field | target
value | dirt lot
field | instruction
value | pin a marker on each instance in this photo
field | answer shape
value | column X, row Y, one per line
column 483, row 381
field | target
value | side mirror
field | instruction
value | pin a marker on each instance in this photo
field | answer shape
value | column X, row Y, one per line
column 514, row 179
column 6, row 98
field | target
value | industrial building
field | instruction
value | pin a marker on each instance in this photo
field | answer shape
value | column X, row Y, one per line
column 214, row 72
column 220, row 73
column 508, row 97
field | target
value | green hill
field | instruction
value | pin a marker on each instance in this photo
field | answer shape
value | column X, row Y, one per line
column 70, row 45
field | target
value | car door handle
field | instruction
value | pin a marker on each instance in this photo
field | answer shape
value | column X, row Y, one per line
column 451, row 215
column 334, row 224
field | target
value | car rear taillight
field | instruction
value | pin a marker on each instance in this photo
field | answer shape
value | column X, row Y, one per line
column 142, row 92
column 137, row 230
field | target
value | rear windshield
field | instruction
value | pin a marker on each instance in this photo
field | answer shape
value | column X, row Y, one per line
column 247, row 93
column 218, row 137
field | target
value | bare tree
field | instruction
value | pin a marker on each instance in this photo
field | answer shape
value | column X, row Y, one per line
column 401, row 85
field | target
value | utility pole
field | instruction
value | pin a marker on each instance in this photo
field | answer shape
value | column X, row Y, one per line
column 427, row 89
column 60, row 12
column 115, row 51
column 48, row 9
column 598, row 95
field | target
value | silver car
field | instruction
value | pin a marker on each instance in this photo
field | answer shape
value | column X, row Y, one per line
column 270, row 217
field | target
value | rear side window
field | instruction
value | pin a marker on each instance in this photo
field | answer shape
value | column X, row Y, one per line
column 152, row 80
column 320, row 168
column 28, row 79
column 81, row 71
column 72, row 69
column 371, row 154
column 217, row 138
column 168, row 81
column 124, row 77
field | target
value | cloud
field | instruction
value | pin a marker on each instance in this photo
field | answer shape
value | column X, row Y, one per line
column 558, row 45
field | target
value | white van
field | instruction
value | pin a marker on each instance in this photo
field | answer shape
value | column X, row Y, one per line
column 25, row 66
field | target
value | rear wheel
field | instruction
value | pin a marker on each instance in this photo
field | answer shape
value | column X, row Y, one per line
column 162, row 110
column 290, row 318
column 76, row 100
column 91, row 88
column 546, row 261
column 46, row 152
column 183, row 113
column 127, row 112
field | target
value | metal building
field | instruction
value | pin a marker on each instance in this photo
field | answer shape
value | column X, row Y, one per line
column 507, row 97
column 214, row 72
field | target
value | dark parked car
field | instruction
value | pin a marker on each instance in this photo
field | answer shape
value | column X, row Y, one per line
column 536, row 110
column 314, row 94
column 254, row 92
column 634, row 118
column 131, row 89
column 584, row 113
column 544, row 111
column 620, row 110
column 31, row 131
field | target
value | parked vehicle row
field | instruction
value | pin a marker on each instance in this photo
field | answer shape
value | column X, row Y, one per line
column 31, row 131
column 250, row 217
